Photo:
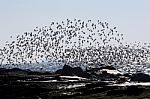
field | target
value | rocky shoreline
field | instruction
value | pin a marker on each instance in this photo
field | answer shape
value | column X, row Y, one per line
column 73, row 83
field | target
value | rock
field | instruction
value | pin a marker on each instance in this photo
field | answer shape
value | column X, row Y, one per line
column 2, row 69
column 69, row 71
column 122, row 79
column 109, row 71
column 104, row 73
column 13, row 71
column 66, row 71
column 78, row 71
column 38, row 73
column 103, row 68
column 127, row 75
column 134, row 90
column 18, row 70
column 128, row 91
column 108, row 67
column 96, row 84
column 140, row 77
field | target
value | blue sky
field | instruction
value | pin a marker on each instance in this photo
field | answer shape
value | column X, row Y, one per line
column 132, row 17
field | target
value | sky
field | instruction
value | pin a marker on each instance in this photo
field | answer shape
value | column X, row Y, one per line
column 131, row 17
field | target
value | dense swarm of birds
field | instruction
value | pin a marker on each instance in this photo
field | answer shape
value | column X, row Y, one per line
column 74, row 42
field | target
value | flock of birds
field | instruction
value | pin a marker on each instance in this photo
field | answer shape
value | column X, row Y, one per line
column 74, row 42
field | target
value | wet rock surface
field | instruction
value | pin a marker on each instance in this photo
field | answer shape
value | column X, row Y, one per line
column 24, row 84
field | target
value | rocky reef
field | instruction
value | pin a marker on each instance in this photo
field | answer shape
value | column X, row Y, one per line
column 73, row 83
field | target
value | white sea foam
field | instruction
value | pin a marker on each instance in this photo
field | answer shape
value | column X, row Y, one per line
column 133, row 83
column 72, row 86
column 73, row 77
column 111, row 71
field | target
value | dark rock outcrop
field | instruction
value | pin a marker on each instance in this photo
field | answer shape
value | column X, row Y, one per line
column 108, row 67
column 140, row 77
column 69, row 71
column 128, row 91
column 13, row 71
